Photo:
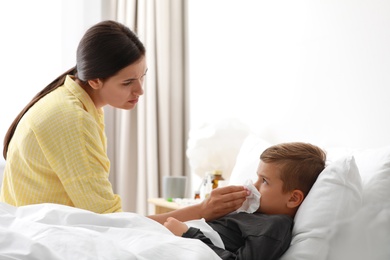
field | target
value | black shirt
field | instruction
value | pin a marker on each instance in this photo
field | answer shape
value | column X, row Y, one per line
column 249, row 236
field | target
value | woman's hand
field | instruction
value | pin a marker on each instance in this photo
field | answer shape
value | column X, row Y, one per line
column 175, row 226
column 223, row 201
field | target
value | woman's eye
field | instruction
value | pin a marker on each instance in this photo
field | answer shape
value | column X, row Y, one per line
column 128, row 83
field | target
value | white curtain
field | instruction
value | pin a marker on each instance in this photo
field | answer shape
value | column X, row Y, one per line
column 149, row 142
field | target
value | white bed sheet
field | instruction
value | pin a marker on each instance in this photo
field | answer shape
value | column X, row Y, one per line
column 50, row 231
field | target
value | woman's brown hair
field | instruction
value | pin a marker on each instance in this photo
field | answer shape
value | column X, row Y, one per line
column 300, row 164
column 105, row 49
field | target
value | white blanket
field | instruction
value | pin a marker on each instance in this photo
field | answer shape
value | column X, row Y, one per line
column 50, row 231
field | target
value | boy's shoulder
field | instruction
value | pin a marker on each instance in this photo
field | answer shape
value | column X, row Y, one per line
column 257, row 221
column 278, row 227
column 260, row 216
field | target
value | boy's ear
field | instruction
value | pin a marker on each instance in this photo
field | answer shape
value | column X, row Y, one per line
column 95, row 83
column 296, row 199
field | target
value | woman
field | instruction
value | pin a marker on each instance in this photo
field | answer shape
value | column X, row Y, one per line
column 56, row 147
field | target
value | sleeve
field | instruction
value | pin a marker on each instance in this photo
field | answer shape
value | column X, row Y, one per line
column 74, row 145
column 195, row 233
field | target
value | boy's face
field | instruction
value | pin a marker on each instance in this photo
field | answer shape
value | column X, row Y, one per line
column 273, row 200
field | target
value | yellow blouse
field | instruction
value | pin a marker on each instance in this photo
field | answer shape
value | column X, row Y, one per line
column 58, row 154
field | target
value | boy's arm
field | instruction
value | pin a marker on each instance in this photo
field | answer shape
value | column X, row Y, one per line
column 255, row 248
column 221, row 202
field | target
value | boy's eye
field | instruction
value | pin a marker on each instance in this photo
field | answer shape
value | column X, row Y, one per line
column 265, row 181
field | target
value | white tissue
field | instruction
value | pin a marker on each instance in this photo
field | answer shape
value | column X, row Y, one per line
column 252, row 202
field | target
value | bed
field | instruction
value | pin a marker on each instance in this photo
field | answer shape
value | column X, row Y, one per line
column 345, row 216
column 50, row 231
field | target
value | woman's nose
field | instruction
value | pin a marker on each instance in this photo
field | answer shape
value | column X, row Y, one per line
column 138, row 90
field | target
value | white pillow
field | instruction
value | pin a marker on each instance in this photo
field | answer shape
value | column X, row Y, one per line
column 369, row 161
column 364, row 236
column 248, row 159
column 376, row 188
column 336, row 195
column 372, row 161
column 374, row 169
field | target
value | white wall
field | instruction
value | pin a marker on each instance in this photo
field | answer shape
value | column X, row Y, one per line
column 30, row 51
column 38, row 43
column 314, row 71
column 26, row 49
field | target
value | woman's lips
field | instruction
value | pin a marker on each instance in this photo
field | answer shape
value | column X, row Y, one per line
column 134, row 101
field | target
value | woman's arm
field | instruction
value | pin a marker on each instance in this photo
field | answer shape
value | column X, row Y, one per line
column 221, row 202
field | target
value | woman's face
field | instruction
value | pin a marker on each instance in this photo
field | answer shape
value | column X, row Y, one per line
column 273, row 200
column 124, row 88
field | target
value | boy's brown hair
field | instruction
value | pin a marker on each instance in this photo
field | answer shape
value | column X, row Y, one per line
column 300, row 164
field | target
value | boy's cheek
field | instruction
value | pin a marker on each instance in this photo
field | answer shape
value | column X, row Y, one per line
column 259, row 209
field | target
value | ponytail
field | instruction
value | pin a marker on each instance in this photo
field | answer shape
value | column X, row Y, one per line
column 49, row 88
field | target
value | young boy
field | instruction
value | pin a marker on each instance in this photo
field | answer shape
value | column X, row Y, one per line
column 286, row 173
